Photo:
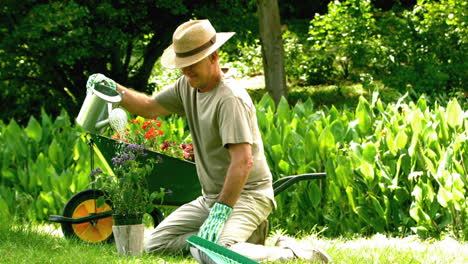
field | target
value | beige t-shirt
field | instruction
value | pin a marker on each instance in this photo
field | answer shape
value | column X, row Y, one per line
column 224, row 115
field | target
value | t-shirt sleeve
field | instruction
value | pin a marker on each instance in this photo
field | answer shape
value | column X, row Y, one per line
column 235, row 122
column 170, row 98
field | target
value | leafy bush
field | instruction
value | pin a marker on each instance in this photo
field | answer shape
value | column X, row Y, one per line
column 304, row 63
column 42, row 165
column 426, row 47
column 399, row 168
column 423, row 49
column 345, row 33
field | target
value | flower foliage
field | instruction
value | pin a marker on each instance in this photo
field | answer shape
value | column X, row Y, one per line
column 128, row 189
column 158, row 136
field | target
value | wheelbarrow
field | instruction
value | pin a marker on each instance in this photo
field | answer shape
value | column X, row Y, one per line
column 83, row 220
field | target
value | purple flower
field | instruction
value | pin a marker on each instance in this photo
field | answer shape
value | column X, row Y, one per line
column 134, row 147
column 117, row 161
column 95, row 172
column 125, row 156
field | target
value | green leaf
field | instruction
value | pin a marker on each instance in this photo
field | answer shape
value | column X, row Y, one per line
column 418, row 214
column 326, row 143
column 415, row 119
column 369, row 152
column 444, row 197
column 344, row 173
column 338, row 130
column 350, row 195
column 315, row 195
column 277, row 153
column 367, row 170
column 5, row 214
column 390, row 140
column 454, row 114
column 55, row 154
column 15, row 139
column 284, row 167
column 401, row 139
column 401, row 196
column 377, row 206
column 364, row 114
column 34, row 130
column 283, row 112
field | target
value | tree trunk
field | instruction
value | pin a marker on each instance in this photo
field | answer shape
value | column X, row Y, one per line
column 272, row 48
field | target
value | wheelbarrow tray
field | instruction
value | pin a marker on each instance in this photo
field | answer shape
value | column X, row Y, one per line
column 177, row 177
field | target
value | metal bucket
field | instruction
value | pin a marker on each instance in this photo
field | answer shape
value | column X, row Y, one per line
column 96, row 108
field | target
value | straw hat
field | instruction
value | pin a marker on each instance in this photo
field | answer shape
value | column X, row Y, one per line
column 191, row 42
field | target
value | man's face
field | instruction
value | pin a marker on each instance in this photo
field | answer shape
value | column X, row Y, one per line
column 199, row 74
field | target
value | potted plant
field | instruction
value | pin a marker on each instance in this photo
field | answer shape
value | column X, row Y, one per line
column 128, row 193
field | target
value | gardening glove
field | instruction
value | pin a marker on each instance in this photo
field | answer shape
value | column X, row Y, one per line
column 213, row 225
column 102, row 79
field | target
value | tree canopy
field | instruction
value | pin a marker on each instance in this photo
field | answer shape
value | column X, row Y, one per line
column 49, row 48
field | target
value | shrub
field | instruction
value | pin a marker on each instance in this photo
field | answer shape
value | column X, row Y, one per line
column 399, row 168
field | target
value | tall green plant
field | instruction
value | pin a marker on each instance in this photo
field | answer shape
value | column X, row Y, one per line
column 42, row 165
column 395, row 168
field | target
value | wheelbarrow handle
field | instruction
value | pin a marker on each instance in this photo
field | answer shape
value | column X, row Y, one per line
column 63, row 219
column 283, row 183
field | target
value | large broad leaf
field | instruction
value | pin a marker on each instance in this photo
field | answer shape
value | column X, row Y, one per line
column 369, row 152
column 364, row 116
column 338, row 129
column 390, row 140
column 266, row 103
column 401, row 139
column 283, row 112
column 367, row 170
column 418, row 214
column 415, row 119
column 277, row 153
column 350, row 195
column 326, row 143
column 34, row 130
column 284, row 167
column 444, row 197
column 334, row 114
column 5, row 214
column 15, row 139
column 454, row 114
column 377, row 206
column 315, row 195
column 344, row 172
column 56, row 155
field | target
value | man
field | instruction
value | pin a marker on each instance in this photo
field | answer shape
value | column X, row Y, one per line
column 237, row 194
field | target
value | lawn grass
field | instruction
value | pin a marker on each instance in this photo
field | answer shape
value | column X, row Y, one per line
column 39, row 244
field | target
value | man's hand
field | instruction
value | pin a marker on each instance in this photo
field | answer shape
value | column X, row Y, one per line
column 102, row 79
column 214, row 224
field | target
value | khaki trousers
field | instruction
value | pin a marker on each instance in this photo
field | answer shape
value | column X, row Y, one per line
column 249, row 212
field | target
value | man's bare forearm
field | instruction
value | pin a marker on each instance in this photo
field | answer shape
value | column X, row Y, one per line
column 140, row 104
column 237, row 175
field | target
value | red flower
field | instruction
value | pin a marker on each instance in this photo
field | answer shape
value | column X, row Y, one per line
column 150, row 133
column 135, row 121
column 165, row 145
column 145, row 125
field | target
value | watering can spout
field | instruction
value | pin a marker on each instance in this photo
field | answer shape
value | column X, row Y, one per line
column 94, row 112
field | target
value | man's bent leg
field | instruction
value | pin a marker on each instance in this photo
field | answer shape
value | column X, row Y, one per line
column 171, row 234
column 249, row 212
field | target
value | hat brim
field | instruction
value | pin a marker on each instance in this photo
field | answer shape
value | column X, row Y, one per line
column 170, row 60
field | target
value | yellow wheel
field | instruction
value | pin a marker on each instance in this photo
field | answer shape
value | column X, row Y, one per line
column 84, row 204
